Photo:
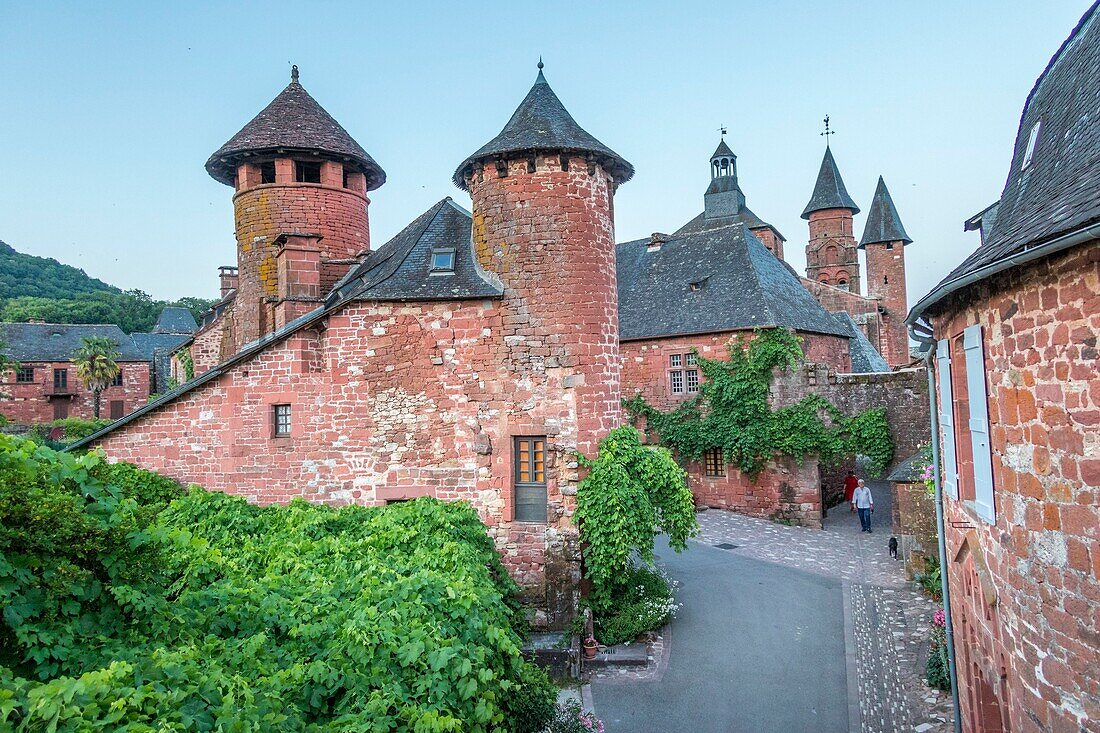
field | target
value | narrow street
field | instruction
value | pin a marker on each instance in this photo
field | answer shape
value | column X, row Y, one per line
column 791, row 629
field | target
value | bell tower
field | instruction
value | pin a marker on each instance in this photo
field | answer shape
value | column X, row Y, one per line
column 832, row 257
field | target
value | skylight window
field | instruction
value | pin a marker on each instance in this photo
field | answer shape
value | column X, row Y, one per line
column 1031, row 140
column 443, row 260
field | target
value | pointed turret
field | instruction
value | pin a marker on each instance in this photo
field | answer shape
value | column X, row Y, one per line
column 829, row 191
column 724, row 198
column 883, row 222
column 541, row 124
column 293, row 123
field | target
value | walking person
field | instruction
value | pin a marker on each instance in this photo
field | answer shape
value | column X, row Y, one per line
column 850, row 483
column 863, row 503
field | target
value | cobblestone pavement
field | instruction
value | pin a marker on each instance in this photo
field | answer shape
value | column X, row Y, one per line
column 889, row 617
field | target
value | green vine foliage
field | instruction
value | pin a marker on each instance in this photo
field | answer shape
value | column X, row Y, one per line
column 732, row 412
column 632, row 492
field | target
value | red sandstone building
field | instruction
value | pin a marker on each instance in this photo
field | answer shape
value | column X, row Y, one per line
column 1016, row 328
column 46, row 386
column 474, row 353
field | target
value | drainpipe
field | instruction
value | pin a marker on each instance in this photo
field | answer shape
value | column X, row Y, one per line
column 923, row 334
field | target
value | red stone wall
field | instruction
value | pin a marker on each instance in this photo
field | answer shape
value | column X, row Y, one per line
column 886, row 281
column 207, row 349
column 831, row 253
column 32, row 404
column 1026, row 591
column 646, row 368
column 770, row 239
column 265, row 211
column 784, row 490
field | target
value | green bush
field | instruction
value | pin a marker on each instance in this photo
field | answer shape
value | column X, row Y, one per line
column 936, row 671
column 72, row 429
column 931, row 580
column 530, row 707
column 640, row 600
column 124, row 612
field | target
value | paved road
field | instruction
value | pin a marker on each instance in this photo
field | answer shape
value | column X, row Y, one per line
column 756, row 647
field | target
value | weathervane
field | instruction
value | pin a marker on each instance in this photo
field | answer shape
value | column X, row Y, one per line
column 827, row 131
column 722, row 131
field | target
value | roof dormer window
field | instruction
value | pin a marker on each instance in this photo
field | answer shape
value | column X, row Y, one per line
column 443, row 261
column 1032, row 139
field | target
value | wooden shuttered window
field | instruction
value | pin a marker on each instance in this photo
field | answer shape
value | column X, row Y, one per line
column 529, row 459
column 947, row 424
column 979, row 423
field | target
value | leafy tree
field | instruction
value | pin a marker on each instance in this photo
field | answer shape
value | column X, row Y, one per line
column 96, row 365
column 7, row 364
column 632, row 493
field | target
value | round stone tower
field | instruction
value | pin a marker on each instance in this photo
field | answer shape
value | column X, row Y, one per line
column 543, row 222
column 831, row 254
column 296, row 171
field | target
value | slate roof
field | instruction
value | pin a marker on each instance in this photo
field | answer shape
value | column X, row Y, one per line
column 865, row 357
column 883, row 223
column 293, row 122
column 174, row 319
column 723, row 150
column 740, row 285
column 541, row 123
column 158, row 348
column 58, row 341
column 829, row 191
column 745, row 216
column 401, row 268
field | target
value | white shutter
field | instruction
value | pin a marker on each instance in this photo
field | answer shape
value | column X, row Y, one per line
column 947, row 424
column 979, row 423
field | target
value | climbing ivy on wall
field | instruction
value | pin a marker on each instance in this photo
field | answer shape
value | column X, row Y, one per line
column 188, row 364
column 731, row 412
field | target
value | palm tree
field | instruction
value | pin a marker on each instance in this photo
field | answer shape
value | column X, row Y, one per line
column 7, row 364
column 95, row 365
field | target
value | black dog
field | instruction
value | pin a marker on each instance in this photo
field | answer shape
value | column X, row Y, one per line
column 894, row 547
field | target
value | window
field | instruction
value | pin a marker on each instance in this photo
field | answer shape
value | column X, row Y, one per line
column 1032, row 139
column 118, row 409
column 889, row 245
column 267, row 172
column 714, row 462
column 25, row 375
column 680, row 380
column 529, row 459
column 60, row 379
column 281, row 416
column 117, row 381
column 307, row 172
column 443, row 260
column 950, row 476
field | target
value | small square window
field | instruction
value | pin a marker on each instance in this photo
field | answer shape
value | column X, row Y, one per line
column 690, row 358
column 443, row 260
column 675, row 361
column 25, row 375
column 307, row 172
column 281, row 415
column 715, row 462
column 117, row 381
column 676, row 381
column 691, row 380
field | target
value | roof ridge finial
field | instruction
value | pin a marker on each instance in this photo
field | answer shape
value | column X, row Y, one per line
column 540, row 62
column 294, row 73
column 827, row 132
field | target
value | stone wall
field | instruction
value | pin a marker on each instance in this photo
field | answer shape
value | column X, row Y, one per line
column 914, row 521
column 34, row 403
column 831, row 254
column 784, row 491
column 1026, row 590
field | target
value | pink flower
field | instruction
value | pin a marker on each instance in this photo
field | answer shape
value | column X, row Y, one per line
column 939, row 618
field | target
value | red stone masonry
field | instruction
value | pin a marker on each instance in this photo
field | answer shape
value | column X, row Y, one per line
column 886, row 282
column 38, row 402
column 831, row 254
column 1026, row 591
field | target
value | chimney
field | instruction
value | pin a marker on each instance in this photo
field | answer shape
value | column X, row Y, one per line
column 298, row 266
column 227, row 275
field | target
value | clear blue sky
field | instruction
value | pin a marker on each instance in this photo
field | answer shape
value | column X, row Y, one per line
column 109, row 110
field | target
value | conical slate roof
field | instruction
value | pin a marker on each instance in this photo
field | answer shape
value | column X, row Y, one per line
column 293, row 122
column 541, row 123
column 883, row 222
column 829, row 192
column 723, row 150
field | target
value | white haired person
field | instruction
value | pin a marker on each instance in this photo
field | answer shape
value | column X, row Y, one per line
column 863, row 503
